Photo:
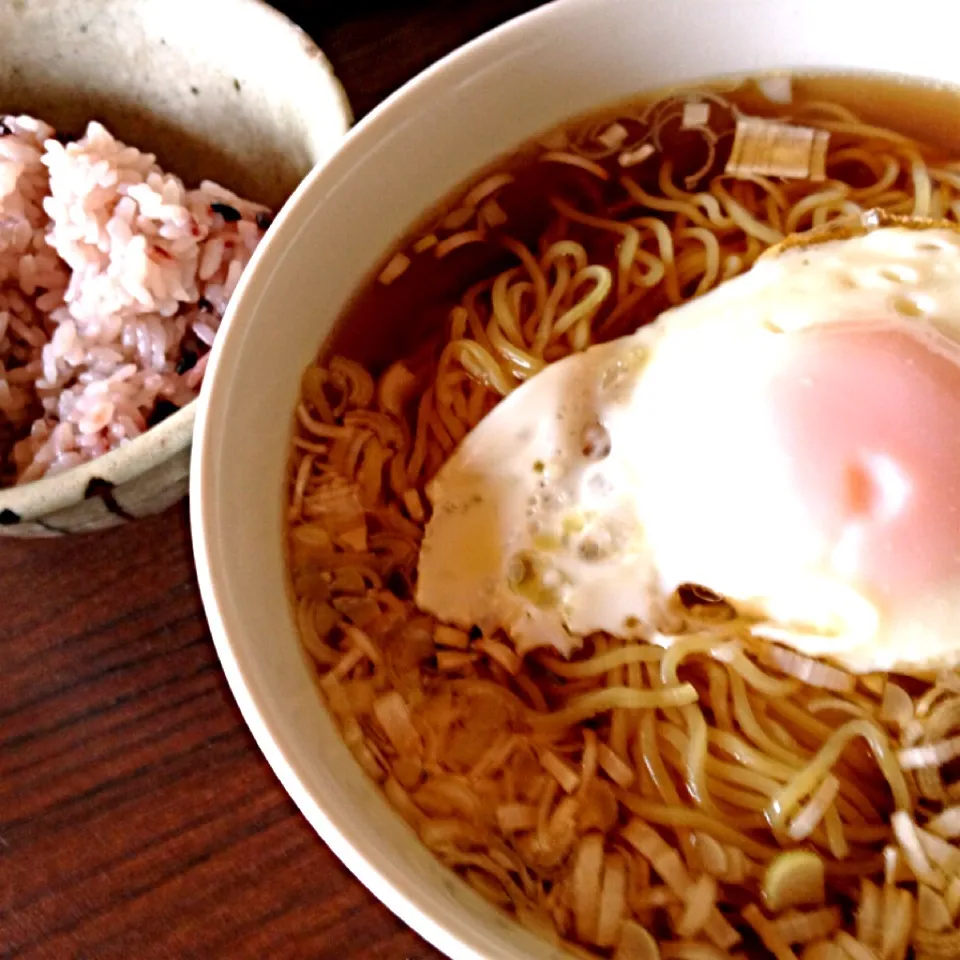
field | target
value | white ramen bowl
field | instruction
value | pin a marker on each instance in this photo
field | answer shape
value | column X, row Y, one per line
column 562, row 60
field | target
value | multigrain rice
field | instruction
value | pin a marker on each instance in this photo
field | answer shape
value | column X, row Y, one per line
column 113, row 280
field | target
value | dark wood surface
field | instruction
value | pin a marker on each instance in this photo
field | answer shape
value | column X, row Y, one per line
column 137, row 817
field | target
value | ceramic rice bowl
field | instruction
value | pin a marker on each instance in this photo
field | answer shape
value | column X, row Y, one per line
column 223, row 90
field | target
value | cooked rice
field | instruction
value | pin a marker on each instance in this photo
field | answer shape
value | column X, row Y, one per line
column 113, row 279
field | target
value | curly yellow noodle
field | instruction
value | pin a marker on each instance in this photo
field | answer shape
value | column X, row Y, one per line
column 722, row 771
column 831, row 196
column 531, row 266
column 704, row 262
column 542, row 324
column 746, row 809
column 679, row 202
column 505, row 308
column 655, row 272
column 747, row 721
column 719, row 686
column 691, row 203
column 785, row 801
column 602, row 663
column 674, row 815
column 695, row 757
column 513, row 767
column 519, row 361
column 756, row 678
column 743, row 219
column 479, row 363
column 586, row 307
column 688, row 646
column 665, row 249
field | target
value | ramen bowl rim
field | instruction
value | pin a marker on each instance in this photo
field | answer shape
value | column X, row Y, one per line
column 258, row 706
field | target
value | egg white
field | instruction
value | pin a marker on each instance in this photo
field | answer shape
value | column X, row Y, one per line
column 537, row 533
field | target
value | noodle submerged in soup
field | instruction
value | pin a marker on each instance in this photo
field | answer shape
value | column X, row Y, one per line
column 705, row 796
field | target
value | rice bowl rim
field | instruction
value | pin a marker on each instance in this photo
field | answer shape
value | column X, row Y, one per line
column 350, row 834
column 30, row 501
column 159, row 443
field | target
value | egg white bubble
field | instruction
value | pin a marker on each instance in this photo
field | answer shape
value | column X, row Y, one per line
column 587, row 496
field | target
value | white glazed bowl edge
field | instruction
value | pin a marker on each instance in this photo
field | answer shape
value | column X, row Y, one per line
column 473, row 106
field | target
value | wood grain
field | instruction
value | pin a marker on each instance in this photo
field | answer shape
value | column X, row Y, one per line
column 137, row 818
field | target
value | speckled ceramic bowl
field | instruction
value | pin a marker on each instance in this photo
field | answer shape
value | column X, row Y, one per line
column 228, row 90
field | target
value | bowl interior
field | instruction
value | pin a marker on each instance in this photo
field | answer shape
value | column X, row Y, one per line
column 227, row 90
column 559, row 61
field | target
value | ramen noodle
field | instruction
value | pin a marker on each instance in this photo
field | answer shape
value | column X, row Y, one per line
column 705, row 796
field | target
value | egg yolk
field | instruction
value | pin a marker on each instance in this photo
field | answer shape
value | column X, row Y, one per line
column 870, row 418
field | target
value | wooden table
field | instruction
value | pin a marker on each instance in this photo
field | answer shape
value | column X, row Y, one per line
column 137, row 817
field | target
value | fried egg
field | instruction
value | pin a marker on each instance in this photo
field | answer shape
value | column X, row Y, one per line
column 790, row 441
